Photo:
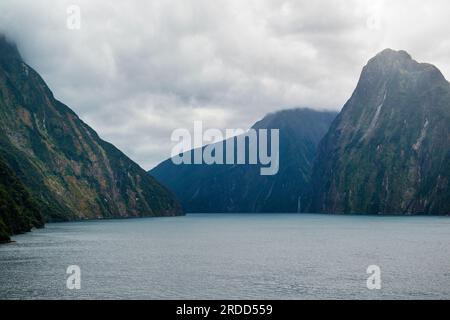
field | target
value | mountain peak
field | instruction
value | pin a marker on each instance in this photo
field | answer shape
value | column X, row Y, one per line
column 390, row 59
column 293, row 117
column 393, row 54
column 8, row 49
column 390, row 64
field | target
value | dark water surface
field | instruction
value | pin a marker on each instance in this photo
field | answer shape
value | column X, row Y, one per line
column 267, row 256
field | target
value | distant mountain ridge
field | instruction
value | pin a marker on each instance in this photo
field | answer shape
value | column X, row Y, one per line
column 64, row 165
column 240, row 188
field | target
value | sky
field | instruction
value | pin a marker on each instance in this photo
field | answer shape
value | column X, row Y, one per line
column 137, row 70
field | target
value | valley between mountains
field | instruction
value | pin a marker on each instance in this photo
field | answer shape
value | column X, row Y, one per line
column 386, row 152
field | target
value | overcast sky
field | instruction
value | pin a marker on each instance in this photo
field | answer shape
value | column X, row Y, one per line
column 137, row 70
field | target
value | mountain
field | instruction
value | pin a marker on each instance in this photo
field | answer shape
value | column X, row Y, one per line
column 240, row 188
column 19, row 212
column 63, row 164
column 388, row 151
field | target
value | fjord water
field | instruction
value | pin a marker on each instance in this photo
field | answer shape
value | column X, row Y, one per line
column 257, row 256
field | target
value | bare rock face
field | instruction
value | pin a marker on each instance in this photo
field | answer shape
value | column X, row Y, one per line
column 61, row 161
column 388, row 151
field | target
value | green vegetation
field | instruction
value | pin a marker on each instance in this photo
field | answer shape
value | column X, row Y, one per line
column 68, row 172
column 19, row 212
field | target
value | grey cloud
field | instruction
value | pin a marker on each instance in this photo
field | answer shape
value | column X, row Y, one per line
column 139, row 69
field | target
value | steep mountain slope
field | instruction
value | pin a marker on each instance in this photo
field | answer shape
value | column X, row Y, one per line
column 241, row 188
column 388, row 151
column 19, row 212
column 62, row 162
